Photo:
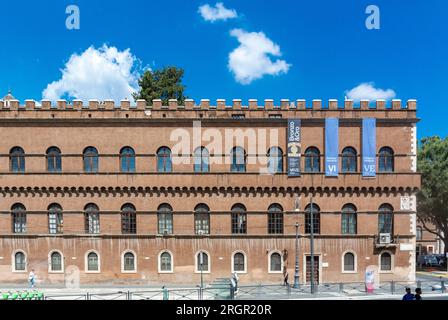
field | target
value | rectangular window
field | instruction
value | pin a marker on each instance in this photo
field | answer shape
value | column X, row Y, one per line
column 129, row 224
column 19, row 222
column 348, row 223
column 92, row 223
column 165, row 223
column 202, row 223
column 275, row 223
column 385, row 223
column 55, row 223
column 239, row 223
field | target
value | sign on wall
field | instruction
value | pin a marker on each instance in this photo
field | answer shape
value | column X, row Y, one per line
column 331, row 147
column 369, row 147
column 294, row 147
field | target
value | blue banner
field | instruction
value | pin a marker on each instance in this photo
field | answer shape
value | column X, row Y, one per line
column 294, row 147
column 368, row 147
column 331, row 147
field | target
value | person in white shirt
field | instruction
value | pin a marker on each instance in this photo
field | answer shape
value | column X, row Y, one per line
column 32, row 279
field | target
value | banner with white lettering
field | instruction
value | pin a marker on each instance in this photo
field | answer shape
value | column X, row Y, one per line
column 294, row 147
column 369, row 147
column 331, row 147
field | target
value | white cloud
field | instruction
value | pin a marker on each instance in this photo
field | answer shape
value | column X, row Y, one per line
column 367, row 90
column 251, row 60
column 103, row 73
column 219, row 12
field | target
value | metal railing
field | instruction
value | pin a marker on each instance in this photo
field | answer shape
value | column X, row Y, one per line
column 259, row 292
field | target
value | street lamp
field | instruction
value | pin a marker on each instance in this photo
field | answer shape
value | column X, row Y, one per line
column 296, row 274
column 312, row 245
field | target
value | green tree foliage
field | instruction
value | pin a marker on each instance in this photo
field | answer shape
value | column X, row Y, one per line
column 165, row 84
column 432, row 204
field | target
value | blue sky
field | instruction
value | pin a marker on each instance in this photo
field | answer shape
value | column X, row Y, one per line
column 325, row 47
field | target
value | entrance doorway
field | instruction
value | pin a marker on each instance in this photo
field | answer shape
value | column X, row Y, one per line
column 316, row 269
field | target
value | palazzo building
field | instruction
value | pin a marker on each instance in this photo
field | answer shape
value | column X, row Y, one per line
column 105, row 193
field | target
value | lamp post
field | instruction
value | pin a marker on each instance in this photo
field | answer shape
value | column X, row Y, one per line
column 201, row 263
column 296, row 274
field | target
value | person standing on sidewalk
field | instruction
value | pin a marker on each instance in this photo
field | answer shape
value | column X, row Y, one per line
column 418, row 294
column 32, row 279
column 408, row 296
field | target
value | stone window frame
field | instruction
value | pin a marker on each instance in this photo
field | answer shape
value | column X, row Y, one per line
column 159, row 262
column 196, row 269
column 86, row 261
column 355, row 256
column 232, row 266
column 392, row 264
column 13, row 261
column 50, row 265
column 269, row 262
column 135, row 261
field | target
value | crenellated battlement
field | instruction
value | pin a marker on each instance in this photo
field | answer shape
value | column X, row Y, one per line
column 204, row 104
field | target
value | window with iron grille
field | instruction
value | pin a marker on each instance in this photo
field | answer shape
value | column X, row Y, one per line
column 275, row 160
column 201, row 160
column 128, row 219
column 239, row 262
column 238, row 158
column 92, row 262
column 275, row 219
column 202, row 261
column 165, row 262
column 386, row 160
column 54, row 160
column 276, row 262
column 90, row 160
column 127, row 160
column 56, row 261
column 348, row 219
column 55, row 219
column 129, row 262
column 239, row 219
column 92, row 219
column 165, row 219
column 202, row 219
column 19, row 261
column 349, row 262
column 18, row 218
column 316, row 219
column 312, row 159
column 349, row 160
column 17, row 160
column 385, row 219
column 386, row 261
column 164, row 163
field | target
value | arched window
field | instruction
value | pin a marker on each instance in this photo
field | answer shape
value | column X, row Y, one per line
column 275, row 219
column 386, row 160
column 165, row 262
column 127, row 159
column 202, row 262
column 239, row 219
column 92, row 262
column 18, row 212
column 238, row 158
column 239, row 262
column 164, row 162
column 90, row 159
column 202, row 219
column 275, row 160
column 419, row 234
column 92, row 219
column 19, row 261
column 201, row 160
column 316, row 219
column 55, row 219
column 129, row 264
column 54, row 160
column 348, row 219
column 17, row 160
column 349, row 160
column 312, row 160
column 56, row 261
column 386, row 262
column 385, row 219
column 275, row 263
column 165, row 219
column 128, row 219
column 349, row 262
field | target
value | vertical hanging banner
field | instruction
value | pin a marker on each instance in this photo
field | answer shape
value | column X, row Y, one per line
column 331, row 147
column 369, row 147
column 294, row 147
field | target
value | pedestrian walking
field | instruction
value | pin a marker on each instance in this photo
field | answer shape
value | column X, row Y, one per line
column 285, row 277
column 408, row 296
column 235, row 279
column 418, row 294
column 32, row 279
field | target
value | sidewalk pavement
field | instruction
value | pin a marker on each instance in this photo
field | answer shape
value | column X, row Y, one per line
column 434, row 273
